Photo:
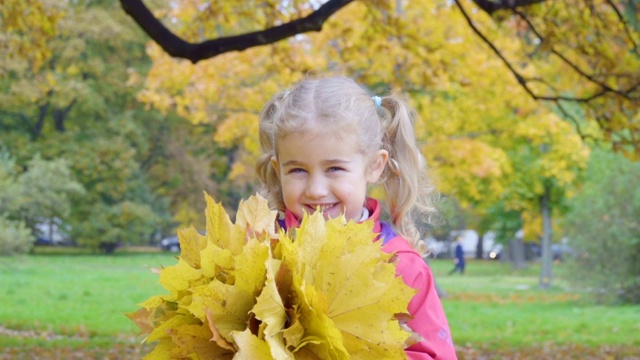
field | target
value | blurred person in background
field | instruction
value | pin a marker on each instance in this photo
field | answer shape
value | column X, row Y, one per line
column 458, row 258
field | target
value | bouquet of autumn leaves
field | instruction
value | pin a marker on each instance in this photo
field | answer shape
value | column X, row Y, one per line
column 322, row 291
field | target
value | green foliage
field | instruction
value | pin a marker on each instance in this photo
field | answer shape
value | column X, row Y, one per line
column 504, row 222
column 604, row 226
column 46, row 190
column 120, row 206
column 43, row 192
column 8, row 186
column 79, row 113
column 15, row 237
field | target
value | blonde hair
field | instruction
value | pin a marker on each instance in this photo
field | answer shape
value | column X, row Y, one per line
column 339, row 103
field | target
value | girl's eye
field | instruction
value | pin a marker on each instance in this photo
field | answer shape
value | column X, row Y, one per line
column 296, row 171
column 335, row 168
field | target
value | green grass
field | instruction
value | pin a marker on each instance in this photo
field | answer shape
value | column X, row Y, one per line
column 495, row 306
column 79, row 300
column 82, row 297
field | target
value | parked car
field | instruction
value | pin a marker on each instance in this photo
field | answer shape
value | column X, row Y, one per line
column 170, row 243
column 42, row 241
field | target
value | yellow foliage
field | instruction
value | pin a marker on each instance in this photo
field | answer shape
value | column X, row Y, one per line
column 27, row 26
column 480, row 170
column 243, row 291
column 482, row 132
column 532, row 226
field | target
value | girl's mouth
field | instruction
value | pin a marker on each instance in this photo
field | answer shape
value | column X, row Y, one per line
column 320, row 207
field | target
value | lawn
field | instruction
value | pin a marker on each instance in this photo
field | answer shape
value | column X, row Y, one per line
column 60, row 303
column 496, row 307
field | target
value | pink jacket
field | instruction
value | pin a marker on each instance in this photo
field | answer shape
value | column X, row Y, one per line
column 429, row 319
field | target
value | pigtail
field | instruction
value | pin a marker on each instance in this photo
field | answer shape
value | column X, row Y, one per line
column 409, row 191
column 270, row 189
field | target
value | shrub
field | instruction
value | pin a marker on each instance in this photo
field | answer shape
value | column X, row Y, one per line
column 604, row 226
column 15, row 237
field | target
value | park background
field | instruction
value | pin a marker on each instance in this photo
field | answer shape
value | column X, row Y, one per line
column 528, row 112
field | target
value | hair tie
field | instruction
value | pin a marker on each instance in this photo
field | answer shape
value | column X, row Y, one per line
column 393, row 165
column 377, row 101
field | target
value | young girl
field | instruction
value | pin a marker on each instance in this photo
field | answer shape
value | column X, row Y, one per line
column 323, row 143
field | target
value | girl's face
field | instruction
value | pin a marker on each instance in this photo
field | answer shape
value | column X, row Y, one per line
column 318, row 170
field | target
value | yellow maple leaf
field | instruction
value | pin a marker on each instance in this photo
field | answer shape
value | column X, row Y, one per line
column 191, row 243
column 251, row 347
column 216, row 262
column 196, row 338
column 270, row 309
column 162, row 351
column 178, row 277
column 218, row 228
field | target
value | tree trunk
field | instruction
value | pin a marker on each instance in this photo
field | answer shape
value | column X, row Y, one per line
column 60, row 115
column 480, row 248
column 36, row 130
column 547, row 256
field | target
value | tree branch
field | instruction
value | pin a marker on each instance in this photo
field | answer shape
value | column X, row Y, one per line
column 60, row 115
column 575, row 122
column 177, row 47
column 491, row 6
column 521, row 80
column 625, row 24
column 37, row 128
column 604, row 89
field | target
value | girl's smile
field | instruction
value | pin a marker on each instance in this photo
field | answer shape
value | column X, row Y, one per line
column 319, row 171
column 321, row 207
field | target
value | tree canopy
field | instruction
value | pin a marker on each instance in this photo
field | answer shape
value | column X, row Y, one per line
column 592, row 44
column 511, row 96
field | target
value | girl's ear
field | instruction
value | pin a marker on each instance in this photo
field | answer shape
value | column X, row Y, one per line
column 376, row 165
column 276, row 167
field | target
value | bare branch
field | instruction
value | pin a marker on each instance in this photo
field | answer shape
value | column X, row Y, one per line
column 575, row 122
column 602, row 85
column 604, row 89
column 506, row 62
column 177, row 47
column 491, row 6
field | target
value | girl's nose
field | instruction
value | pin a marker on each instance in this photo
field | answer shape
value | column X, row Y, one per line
column 316, row 187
